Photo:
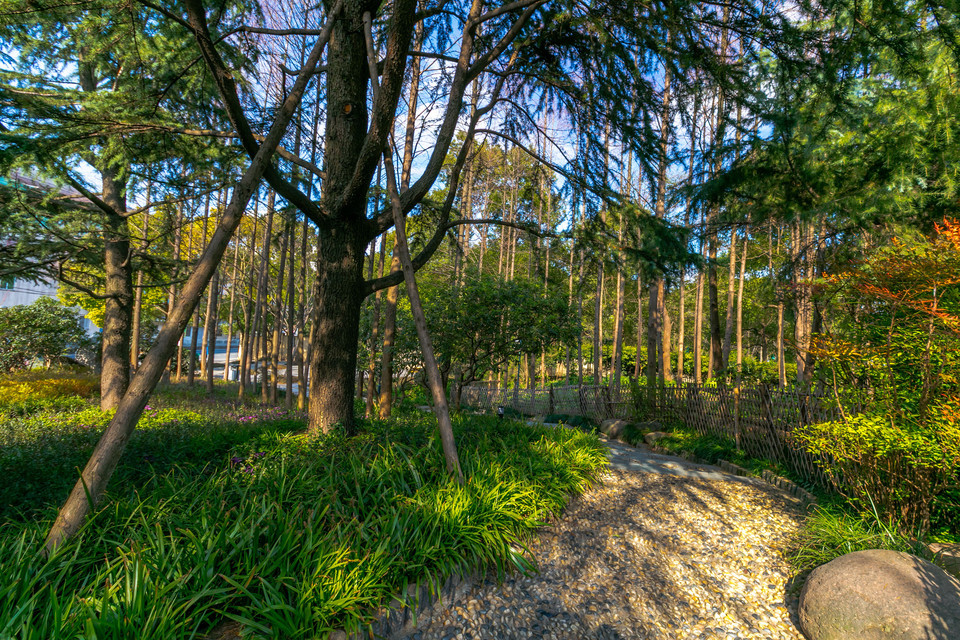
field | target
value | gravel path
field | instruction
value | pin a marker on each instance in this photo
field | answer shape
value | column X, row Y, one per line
column 664, row 549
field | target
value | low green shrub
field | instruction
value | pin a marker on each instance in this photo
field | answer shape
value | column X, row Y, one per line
column 27, row 392
column 293, row 536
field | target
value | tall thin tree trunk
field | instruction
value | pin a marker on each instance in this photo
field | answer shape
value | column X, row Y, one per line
column 138, row 298
column 419, row 320
column 210, row 327
column 743, row 270
column 230, row 310
column 636, row 362
column 278, row 315
column 393, row 293
column 598, row 328
column 731, row 288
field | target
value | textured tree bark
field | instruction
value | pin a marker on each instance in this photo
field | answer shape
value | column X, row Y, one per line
column 333, row 358
column 117, row 320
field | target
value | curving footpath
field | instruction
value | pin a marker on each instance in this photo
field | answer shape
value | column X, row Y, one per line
column 664, row 549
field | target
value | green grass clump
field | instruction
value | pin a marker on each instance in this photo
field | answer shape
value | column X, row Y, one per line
column 833, row 530
column 293, row 536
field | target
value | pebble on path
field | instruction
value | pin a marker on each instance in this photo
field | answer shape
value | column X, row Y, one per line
column 645, row 556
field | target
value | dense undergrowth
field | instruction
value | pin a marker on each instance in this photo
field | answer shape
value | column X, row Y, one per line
column 247, row 520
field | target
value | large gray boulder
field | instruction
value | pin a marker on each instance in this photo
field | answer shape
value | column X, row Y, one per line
column 880, row 595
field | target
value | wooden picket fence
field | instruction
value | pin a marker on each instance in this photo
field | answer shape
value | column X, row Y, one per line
column 760, row 419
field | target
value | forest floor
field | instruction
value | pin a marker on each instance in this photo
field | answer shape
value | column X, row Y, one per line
column 663, row 549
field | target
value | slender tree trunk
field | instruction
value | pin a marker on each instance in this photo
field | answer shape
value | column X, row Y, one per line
column 249, row 313
column 230, row 309
column 263, row 305
column 654, row 320
column 715, row 362
column 580, row 324
column 666, row 373
column 172, row 290
column 374, row 337
column 731, row 288
column 598, row 328
column 210, row 328
column 195, row 329
column 636, row 362
column 138, row 298
column 393, row 293
column 278, row 315
column 698, row 331
column 743, row 270
column 291, row 314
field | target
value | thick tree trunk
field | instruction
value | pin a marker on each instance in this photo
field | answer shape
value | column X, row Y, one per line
column 115, row 353
column 333, row 358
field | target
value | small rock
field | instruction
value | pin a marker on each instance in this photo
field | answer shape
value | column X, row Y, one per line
column 613, row 428
column 654, row 437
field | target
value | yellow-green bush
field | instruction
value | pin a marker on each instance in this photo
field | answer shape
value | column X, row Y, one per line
column 45, row 385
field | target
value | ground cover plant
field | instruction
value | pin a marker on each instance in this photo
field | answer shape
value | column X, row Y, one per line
column 286, row 534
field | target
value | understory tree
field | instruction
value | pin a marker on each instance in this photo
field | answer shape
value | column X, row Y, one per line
column 894, row 362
